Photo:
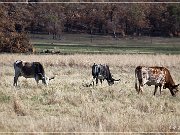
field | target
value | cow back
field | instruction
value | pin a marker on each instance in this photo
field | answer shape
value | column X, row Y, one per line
column 28, row 69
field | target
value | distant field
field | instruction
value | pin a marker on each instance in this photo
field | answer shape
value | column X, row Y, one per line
column 66, row 106
column 82, row 44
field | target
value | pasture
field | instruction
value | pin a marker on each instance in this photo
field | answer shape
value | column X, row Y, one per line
column 66, row 106
column 98, row 44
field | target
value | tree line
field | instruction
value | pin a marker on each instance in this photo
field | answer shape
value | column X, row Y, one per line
column 118, row 20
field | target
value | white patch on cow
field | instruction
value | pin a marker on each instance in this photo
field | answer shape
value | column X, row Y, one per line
column 96, row 69
column 145, row 76
column 100, row 77
column 150, row 79
column 18, row 61
column 47, row 80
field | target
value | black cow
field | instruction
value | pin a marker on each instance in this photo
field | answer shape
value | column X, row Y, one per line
column 102, row 73
column 30, row 70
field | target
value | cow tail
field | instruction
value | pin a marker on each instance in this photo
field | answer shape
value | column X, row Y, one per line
column 136, row 81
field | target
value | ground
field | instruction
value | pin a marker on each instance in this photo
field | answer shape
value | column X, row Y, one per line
column 67, row 106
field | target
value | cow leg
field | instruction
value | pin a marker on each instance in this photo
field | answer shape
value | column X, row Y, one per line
column 15, row 80
column 160, row 89
column 101, row 81
column 140, row 88
column 96, row 81
column 137, row 86
column 93, row 83
column 37, row 79
column 155, row 90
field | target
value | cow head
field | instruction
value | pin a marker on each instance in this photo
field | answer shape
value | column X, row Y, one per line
column 175, row 88
column 19, row 63
column 111, row 81
column 45, row 80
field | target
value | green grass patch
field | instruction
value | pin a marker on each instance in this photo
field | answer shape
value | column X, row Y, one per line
column 4, row 98
column 79, row 44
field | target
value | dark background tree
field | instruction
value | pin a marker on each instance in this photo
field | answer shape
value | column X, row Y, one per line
column 14, row 20
column 118, row 20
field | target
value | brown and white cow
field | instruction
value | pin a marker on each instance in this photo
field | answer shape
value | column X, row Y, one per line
column 158, row 76
column 30, row 70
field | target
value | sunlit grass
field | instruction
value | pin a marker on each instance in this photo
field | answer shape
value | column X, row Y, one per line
column 66, row 106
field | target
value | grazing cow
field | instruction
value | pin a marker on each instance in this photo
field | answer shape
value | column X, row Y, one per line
column 102, row 72
column 30, row 70
column 158, row 76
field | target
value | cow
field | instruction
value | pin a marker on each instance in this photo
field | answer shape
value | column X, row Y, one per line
column 30, row 70
column 102, row 73
column 158, row 76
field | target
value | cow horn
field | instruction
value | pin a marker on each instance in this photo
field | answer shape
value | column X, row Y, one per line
column 51, row 78
column 117, row 80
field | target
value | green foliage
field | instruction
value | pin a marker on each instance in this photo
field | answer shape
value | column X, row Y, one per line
column 174, row 18
column 174, row 10
column 4, row 97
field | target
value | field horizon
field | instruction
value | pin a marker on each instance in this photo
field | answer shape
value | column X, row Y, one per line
column 66, row 106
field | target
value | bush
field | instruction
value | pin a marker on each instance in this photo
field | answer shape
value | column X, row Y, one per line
column 15, row 43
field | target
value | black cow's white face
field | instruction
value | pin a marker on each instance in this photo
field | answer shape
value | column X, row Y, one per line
column 18, row 61
column 45, row 80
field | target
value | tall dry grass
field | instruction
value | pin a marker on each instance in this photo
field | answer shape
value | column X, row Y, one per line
column 66, row 106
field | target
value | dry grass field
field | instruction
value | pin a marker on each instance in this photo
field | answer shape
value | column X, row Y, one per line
column 66, row 106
